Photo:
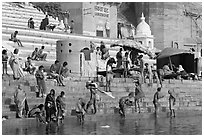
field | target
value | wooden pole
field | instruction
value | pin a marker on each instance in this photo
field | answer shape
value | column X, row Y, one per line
column 170, row 63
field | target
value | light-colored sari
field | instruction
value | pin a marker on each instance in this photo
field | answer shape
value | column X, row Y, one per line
column 20, row 99
column 15, row 66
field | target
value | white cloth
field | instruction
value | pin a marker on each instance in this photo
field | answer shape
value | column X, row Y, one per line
column 180, row 68
column 60, row 26
column 107, row 25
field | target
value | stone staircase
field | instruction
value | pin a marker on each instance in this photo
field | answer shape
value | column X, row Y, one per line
column 15, row 18
column 189, row 95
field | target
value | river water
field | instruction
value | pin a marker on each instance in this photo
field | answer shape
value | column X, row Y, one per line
column 180, row 125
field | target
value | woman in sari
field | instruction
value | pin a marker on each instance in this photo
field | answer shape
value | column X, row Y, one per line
column 20, row 101
column 61, row 106
column 15, row 65
column 50, row 106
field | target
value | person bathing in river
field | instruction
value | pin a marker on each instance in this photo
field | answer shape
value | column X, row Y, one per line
column 81, row 109
column 38, row 112
column 50, row 106
column 61, row 106
column 93, row 98
column 139, row 94
column 124, row 102
column 172, row 101
column 109, row 73
column 157, row 97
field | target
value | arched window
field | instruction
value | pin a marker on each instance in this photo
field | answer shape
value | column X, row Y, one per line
column 150, row 44
column 176, row 45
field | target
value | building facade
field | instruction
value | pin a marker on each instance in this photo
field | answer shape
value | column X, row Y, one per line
column 93, row 18
column 173, row 24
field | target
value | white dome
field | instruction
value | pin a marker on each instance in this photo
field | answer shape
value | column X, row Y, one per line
column 143, row 28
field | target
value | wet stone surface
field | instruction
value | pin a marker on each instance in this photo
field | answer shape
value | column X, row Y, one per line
column 180, row 125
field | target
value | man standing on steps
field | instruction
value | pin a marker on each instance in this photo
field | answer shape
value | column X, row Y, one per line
column 66, row 20
column 148, row 73
column 46, row 22
column 139, row 94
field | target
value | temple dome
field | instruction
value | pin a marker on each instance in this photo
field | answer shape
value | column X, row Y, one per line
column 143, row 29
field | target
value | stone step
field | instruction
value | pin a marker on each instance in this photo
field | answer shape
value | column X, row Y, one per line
column 28, row 9
column 71, row 101
column 80, row 93
column 9, row 28
column 112, row 109
column 23, row 17
column 31, row 39
column 21, row 13
column 9, row 114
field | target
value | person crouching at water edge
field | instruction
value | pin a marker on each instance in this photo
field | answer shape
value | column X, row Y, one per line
column 81, row 109
column 124, row 102
column 157, row 97
column 50, row 107
column 60, row 101
column 172, row 102
column 38, row 112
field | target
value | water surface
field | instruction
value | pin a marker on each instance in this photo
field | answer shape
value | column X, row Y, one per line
column 187, row 125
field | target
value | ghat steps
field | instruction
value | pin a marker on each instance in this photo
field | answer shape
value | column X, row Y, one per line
column 189, row 94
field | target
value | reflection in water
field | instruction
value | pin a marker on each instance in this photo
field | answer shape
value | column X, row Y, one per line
column 135, row 126
column 52, row 129
column 156, row 126
column 171, row 125
column 122, row 125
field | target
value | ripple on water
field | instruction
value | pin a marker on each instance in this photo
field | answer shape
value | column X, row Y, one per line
column 179, row 125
